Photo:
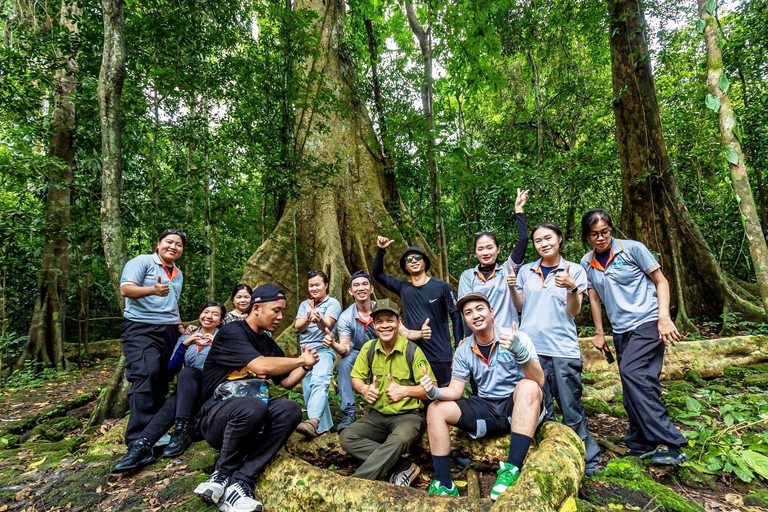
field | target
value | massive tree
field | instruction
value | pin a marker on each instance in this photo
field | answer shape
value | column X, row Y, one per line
column 653, row 210
column 45, row 346
column 338, row 216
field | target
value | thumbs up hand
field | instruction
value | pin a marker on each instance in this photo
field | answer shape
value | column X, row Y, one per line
column 395, row 392
column 564, row 279
column 371, row 391
column 511, row 341
column 428, row 385
column 383, row 242
column 426, row 330
column 511, row 278
column 328, row 338
column 160, row 289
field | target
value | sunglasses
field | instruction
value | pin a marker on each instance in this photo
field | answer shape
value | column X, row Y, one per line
column 173, row 232
column 413, row 257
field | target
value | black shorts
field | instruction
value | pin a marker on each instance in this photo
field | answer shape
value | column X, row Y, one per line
column 485, row 416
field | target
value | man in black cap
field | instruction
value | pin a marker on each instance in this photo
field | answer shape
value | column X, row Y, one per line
column 238, row 417
column 427, row 304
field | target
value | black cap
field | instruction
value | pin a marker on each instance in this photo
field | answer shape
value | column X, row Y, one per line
column 385, row 305
column 414, row 249
column 470, row 297
column 359, row 273
column 266, row 293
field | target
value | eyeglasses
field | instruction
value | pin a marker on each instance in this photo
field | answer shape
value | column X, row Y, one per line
column 413, row 257
column 594, row 235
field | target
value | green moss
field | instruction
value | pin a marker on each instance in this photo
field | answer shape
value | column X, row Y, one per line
column 9, row 441
column 680, row 387
column 203, row 462
column 594, row 406
column 68, row 445
column 697, row 479
column 760, row 381
column 619, row 412
column 723, row 390
column 80, row 488
column 694, row 377
column 757, row 498
column 181, row 487
column 149, row 480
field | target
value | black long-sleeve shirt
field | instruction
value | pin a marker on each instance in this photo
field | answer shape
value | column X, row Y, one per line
column 434, row 300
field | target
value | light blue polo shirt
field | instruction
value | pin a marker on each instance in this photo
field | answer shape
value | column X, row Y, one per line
column 353, row 327
column 313, row 336
column 624, row 286
column 545, row 319
column 495, row 288
column 144, row 270
column 496, row 377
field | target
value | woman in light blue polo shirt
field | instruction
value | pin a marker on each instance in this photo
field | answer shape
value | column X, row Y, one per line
column 625, row 276
column 548, row 291
column 151, row 285
column 489, row 277
column 316, row 315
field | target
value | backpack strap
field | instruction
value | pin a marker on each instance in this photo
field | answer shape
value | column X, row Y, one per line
column 371, row 353
column 410, row 351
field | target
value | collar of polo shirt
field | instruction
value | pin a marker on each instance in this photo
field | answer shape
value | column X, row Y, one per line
column 616, row 248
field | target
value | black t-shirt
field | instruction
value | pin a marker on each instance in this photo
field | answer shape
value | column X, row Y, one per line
column 434, row 300
column 236, row 345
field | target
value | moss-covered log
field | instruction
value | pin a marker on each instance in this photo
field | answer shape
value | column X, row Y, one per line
column 551, row 474
column 708, row 357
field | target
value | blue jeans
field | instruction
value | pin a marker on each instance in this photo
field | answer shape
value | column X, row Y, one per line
column 315, row 386
column 344, row 369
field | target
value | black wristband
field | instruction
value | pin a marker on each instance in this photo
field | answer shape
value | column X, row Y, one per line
column 574, row 289
column 306, row 369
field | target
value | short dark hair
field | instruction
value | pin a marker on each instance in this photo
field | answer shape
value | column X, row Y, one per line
column 215, row 303
column 241, row 286
column 315, row 273
column 551, row 226
column 489, row 234
column 591, row 218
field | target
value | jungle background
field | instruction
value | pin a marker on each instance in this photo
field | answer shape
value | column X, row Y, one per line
column 282, row 136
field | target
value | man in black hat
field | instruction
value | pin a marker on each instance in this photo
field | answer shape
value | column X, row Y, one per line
column 427, row 304
column 238, row 417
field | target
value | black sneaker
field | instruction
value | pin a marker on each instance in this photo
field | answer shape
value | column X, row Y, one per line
column 668, row 457
column 349, row 419
column 239, row 498
column 640, row 454
column 180, row 440
column 139, row 455
column 212, row 489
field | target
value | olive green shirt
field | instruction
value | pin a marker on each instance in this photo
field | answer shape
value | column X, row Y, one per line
column 394, row 364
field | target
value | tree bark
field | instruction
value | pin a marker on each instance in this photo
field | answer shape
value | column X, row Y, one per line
column 739, row 178
column 113, row 401
column 336, row 222
column 111, row 78
column 652, row 209
column 45, row 346
column 425, row 43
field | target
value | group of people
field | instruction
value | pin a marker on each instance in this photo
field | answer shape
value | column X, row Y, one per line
column 520, row 355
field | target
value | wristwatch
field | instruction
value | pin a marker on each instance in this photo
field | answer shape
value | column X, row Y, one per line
column 574, row 289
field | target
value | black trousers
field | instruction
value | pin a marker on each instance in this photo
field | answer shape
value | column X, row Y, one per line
column 147, row 349
column 640, row 354
column 442, row 373
column 182, row 405
column 248, row 433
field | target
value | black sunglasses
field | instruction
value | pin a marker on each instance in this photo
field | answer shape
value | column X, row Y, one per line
column 169, row 232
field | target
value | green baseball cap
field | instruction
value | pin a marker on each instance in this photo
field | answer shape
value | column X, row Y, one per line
column 385, row 305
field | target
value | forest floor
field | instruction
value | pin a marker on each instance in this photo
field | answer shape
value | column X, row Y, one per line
column 49, row 460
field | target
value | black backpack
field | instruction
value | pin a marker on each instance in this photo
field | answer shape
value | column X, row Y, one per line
column 410, row 350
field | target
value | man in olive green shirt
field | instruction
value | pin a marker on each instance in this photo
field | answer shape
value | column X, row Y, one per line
column 391, row 386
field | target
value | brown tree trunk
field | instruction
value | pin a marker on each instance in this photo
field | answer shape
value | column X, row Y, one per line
column 425, row 43
column 45, row 346
column 113, row 401
column 337, row 224
column 652, row 209
column 739, row 178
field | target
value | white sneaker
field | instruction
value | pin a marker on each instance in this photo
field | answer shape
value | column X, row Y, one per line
column 212, row 489
column 239, row 498
column 407, row 477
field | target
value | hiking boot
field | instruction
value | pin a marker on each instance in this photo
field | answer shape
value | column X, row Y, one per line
column 307, row 428
column 507, row 475
column 407, row 477
column 139, row 455
column 212, row 489
column 437, row 488
column 180, row 440
column 239, row 498
column 349, row 419
column 640, row 454
column 668, row 457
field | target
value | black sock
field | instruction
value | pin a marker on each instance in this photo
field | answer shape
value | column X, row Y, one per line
column 442, row 465
column 518, row 449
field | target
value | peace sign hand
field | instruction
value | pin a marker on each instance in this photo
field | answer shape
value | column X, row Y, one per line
column 522, row 198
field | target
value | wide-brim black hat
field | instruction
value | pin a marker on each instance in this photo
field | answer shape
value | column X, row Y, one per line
column 414, row 249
